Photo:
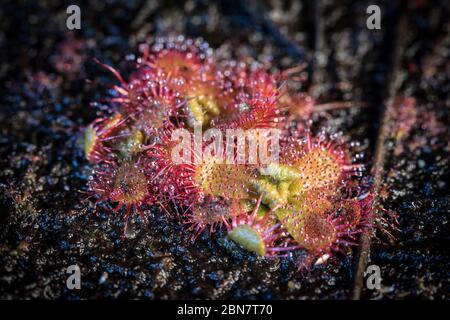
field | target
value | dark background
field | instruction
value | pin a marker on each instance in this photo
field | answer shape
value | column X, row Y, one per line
column 45, row 225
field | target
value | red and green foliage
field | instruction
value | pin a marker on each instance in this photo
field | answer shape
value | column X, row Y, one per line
column 306, row 201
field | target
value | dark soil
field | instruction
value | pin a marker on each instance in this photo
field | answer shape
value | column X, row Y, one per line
column 46, row 225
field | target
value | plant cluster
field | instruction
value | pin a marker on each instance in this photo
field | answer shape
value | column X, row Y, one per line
column 305, row 201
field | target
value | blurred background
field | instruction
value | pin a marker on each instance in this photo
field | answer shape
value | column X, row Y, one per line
column 48, row 80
